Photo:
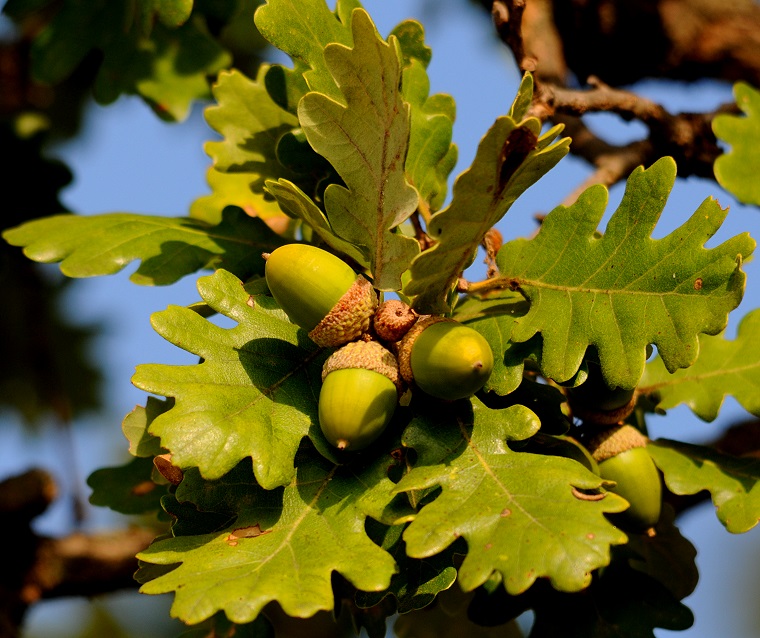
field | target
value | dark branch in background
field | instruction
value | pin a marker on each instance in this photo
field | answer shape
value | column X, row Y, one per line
column 39, row 567
column 542, row 35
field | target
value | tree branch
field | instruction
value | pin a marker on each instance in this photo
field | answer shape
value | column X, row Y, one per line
column 42, row 568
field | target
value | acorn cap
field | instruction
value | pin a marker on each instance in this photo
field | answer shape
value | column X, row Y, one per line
column 614, row 441
column 393, row 319
column 349, row 318
column 368, row 355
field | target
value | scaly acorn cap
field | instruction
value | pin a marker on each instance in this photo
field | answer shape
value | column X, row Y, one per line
column 405, row 347
column 393, row 319
column 369, row 355
column 614, row 441
column 349, row 318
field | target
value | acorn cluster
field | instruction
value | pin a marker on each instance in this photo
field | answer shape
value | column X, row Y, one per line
column 381, row 349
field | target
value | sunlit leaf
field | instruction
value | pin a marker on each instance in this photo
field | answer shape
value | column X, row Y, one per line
column 168, row 247
column 232, row 189
column 511, row 157
column 303, row 29
column 366, row 140
column 285, row 549
column 514, row 524
column 251, row 124
column 254, row 395
column 624, row 290
column 736, row 169
column 431, row 155
column 298, row 204
column 733, row 482
column 724, row 368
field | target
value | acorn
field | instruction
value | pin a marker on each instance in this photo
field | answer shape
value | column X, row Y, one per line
column 360, row 390
column 622, row 457
column 444, row 358
column 320, row 293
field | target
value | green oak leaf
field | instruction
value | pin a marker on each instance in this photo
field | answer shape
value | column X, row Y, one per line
column 511, row 157
column 724, row 368
column 624, row 290
column 128, row 489
column 254, row 394
column 431, row 155
column 169, row 247
column 494, row 317
column 449, row 618
column 166, row 62
column 285, row 549
column 251, row 124
column 523, row 515
column 417, row 582
column 736, row 170
column 174, row 70
column 171, row 13
column 137, row 423
column 366, row 140
column 298, row 204
column 232, row 189
column 621, row 603
column 303, row 29
column 411, row 39
column 666, row 556
column 733, row 482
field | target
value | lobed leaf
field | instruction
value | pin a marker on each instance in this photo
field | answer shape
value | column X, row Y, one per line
column 168, row 247
column 254, row 394
column 232, row 189
column 736, row 170
column 166, row 62
column 284, row 549
column 298, row 204
column 724, row 368
column 417, row 582
column 624, row 290
column 622, row 602
column 431, row 156
column 521, row 527
column 251, row 124
column 127, row 489
column 303, row 29
column 511, row 157
column 366, row 139
column 733, row 482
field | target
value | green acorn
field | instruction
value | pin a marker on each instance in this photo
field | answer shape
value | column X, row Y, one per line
column 360, row 390
column 596, row 402
column 320, row 293
column 622, row 457
column 444, row 358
